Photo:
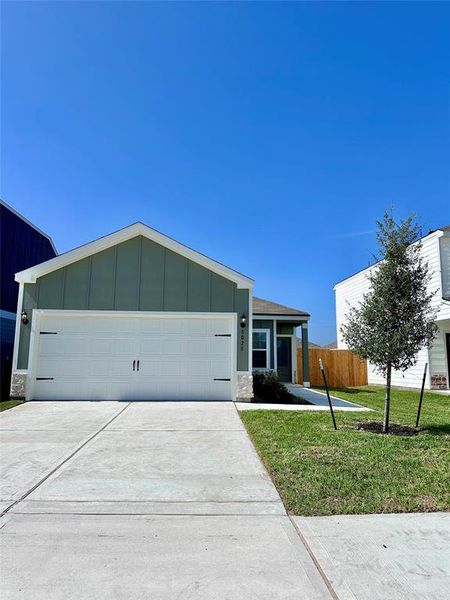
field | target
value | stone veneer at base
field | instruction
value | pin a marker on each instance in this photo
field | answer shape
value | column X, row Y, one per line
column 439, row 381
column 244, row 387
column 18, row 385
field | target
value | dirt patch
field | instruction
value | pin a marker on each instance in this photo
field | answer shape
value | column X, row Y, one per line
column 394, row 428
column 427, row 502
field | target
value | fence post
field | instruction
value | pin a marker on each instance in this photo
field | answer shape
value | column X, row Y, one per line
column 421, row 394
column 328, row 393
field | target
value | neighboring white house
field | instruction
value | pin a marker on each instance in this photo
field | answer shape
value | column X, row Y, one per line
column 350, row 291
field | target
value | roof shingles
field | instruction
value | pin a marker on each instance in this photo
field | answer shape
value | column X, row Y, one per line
column 265, row 307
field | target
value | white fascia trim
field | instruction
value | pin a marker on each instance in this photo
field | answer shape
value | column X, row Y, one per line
column 30, row 224
column 30, row 275
column 444, row 317
column 139, row 314
column 436, row 234
column 299, row 318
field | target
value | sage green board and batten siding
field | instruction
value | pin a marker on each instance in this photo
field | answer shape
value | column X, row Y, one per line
column 138, row 274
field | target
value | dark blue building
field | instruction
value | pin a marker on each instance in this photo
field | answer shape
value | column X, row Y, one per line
column 22, row 245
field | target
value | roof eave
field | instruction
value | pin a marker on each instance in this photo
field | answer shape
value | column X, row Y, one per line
column 33, row 273
column 292, row 317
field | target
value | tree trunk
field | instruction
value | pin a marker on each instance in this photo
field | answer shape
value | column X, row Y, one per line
column 387, row 402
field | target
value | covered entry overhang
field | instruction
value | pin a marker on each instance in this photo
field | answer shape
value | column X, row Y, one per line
column 275, row 340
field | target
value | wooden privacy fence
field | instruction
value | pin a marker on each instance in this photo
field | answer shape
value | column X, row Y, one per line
column 342, row 367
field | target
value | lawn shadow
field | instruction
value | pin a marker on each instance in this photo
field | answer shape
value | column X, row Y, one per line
column 436, row 429
column 348, row 390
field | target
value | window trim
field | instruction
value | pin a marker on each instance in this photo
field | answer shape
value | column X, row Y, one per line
column 266, row 349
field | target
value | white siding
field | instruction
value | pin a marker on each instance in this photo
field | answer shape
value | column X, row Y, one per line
column 411, row 378
column 350, row 293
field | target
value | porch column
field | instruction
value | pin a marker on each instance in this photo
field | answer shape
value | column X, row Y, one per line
column 305, row 355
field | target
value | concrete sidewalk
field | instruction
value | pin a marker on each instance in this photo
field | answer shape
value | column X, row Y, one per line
column 140, row 500
column 395, row 556
column 170, row 501
column 318, row 402
column 317, row 398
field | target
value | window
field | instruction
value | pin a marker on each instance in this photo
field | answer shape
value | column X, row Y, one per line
column 261, row 349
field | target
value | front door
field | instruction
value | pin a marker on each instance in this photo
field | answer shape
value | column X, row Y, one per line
column 284, row 359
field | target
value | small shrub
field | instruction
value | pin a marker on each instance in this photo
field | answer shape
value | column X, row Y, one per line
column 267, row 387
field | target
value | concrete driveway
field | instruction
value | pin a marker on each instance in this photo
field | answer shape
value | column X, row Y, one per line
column 143, row 500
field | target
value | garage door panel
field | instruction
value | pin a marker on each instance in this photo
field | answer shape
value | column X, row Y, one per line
column 174, row 347
column 110, row 367
column 92, row 358
column 55, row 367
column 199, row 346
column 51, row 345
column 193, row 369
column 123, row 347
column 150, row 346
column 220, row 368
column 220, row 346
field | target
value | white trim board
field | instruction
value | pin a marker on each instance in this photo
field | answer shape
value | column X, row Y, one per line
column 291, row 318
column 267, row 348
column 30, row 275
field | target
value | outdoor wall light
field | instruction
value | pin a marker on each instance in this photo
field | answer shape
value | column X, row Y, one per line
column 243, row 321
column 24, row 317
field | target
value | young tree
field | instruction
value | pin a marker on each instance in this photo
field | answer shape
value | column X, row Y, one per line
column 396, row 317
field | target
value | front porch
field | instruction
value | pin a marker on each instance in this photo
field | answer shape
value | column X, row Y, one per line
column 275, row 340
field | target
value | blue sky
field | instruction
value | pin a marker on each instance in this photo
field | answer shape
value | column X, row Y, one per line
column 269, row 136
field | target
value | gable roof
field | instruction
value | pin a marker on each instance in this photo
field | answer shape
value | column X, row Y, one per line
column 30, row 275
column 265, row 307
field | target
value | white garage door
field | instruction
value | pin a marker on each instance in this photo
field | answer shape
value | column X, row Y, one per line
column 107, row 357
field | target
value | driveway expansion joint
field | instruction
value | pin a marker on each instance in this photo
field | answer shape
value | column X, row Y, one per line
column 314, row 559
column 63, row 462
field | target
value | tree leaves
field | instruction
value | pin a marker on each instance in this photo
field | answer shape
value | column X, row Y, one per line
column 395, row 320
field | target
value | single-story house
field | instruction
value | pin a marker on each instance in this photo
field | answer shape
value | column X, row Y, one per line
column 136, row 315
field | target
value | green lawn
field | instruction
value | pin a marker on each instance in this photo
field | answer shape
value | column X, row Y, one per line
column 5, row 404
column 322, row 472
